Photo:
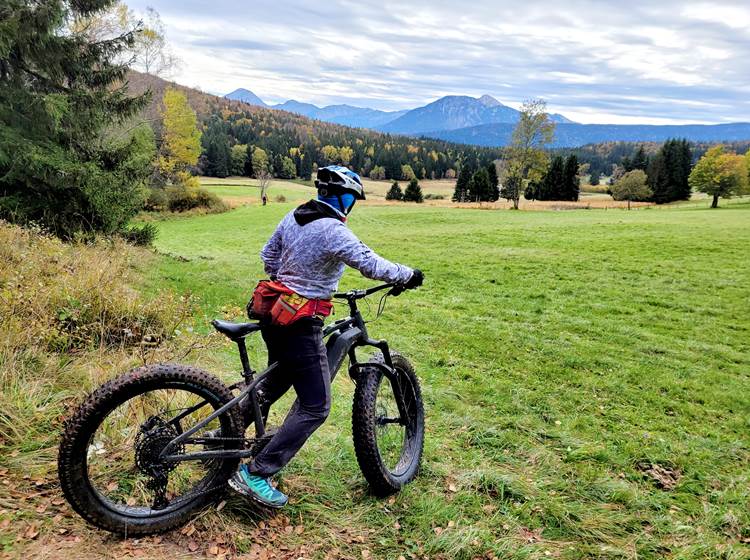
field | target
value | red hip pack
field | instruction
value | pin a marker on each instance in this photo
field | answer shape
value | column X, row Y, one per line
column 274, row 302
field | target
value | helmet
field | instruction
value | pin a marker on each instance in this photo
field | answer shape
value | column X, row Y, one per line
column 336, row 180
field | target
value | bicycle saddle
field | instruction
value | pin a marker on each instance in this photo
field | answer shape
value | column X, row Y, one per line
column 234, row 331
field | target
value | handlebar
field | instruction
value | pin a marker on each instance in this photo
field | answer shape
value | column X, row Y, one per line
column 359, row 294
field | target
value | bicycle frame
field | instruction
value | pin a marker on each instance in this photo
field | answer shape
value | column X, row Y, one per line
column 344, row 337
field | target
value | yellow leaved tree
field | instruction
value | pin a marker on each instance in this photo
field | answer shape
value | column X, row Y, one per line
column 181, row 139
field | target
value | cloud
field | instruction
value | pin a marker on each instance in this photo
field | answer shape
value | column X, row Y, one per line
column 595, row 61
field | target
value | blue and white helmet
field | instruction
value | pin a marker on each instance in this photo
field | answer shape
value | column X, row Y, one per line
column 335, row 179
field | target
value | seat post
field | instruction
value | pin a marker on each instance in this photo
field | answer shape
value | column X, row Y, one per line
column 247, row 371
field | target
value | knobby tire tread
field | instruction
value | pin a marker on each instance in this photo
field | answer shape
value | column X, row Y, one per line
column 89, row 415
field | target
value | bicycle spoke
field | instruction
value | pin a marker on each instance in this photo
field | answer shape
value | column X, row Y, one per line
column 123, row 458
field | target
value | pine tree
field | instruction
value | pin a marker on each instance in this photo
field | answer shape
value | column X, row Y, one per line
column 461, row 192
column 59, row 92
column 595, row 178
column 571, row 182
column 413, row 192
column 394, row 193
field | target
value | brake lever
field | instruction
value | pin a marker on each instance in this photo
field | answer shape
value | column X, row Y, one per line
column 397, row 290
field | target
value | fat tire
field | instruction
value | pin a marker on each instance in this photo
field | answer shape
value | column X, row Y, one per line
column 381, row 480
column 81, row 426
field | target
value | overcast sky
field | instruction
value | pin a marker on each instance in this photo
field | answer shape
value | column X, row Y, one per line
column 604, row 61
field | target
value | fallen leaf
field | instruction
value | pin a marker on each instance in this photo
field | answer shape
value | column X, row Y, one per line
column 31, row 532
column 221, row 505
column 452, row 487
column 530, row 535
column 451, row 523
column 438, row 530
column 192, row 546
column 299, row 529
column 112, row 486
column 365, row 553
column 397, row 525
column 41, row 508
column 4, row 523
column 213, row 550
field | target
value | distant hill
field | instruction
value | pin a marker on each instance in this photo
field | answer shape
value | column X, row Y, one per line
column 246, row 96
column 569, row 135
column 456, row 112
column 348, row 115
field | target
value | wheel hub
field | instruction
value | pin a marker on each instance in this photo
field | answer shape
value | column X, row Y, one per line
column 153, row 437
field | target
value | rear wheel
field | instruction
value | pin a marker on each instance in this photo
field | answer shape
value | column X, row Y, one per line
column 110, row 464
column 388, row 438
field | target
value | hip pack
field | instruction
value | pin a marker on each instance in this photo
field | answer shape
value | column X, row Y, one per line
column 274, row 302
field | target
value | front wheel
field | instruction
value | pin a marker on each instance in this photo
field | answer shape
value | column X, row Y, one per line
column 388, row 437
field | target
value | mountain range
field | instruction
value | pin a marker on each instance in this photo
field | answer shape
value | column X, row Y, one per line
column 447, row 113
column 348, row 115
column 484, row 121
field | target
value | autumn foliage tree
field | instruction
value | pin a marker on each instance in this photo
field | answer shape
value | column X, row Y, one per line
column 526, row 159
column 181, row 139
column 632, row 186
column 720, row 174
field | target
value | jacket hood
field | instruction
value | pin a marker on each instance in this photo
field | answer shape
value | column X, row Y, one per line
column 314, row 210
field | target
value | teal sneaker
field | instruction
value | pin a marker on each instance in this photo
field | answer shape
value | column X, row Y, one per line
column 257, row 488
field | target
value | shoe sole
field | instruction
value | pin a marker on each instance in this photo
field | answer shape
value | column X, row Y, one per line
column 240, row 490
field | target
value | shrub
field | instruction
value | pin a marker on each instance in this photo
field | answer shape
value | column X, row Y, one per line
column 157, row 200
column 141, row 236
column 280, row 198
column 181, row 199
column 432, row 196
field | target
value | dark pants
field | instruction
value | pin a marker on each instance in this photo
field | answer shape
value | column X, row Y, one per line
column 303, row 365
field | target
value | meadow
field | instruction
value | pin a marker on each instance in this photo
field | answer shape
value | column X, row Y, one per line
column 237, row 191
column 585, row 376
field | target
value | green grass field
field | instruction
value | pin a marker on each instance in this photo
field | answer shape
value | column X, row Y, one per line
column 586, row 378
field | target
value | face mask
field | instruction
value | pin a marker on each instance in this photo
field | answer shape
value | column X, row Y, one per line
column 343, row 202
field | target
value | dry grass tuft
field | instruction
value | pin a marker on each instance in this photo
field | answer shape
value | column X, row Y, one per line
column 68, row 316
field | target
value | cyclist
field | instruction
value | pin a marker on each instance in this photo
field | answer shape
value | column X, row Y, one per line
column 305, row 258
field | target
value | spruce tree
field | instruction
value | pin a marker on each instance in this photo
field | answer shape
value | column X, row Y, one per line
column 551, row 185
column 494, row 192
column 479, row 186
column 394, row 193
column 461, row 192
column 60, row 95
column 571, row 182
column 639, row 160
column 216, row 149
column 413, row 192
column 669, row 171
